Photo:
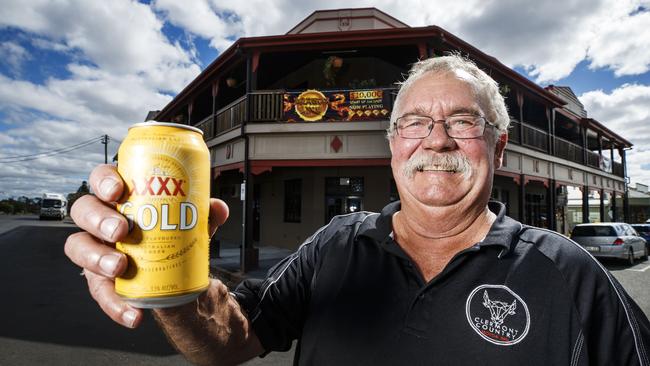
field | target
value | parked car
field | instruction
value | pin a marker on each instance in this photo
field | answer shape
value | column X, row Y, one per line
column 644, row 231
column 611, row 240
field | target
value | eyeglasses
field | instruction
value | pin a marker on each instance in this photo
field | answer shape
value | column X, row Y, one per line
column 457, row 126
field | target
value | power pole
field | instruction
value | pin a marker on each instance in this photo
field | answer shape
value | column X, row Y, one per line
column 105, row 142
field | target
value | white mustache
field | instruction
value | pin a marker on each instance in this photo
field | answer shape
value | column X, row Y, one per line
column 456, row 163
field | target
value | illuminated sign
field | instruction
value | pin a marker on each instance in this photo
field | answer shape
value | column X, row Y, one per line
column 344, row 105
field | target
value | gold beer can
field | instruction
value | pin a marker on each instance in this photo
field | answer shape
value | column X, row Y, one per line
column 166, row 171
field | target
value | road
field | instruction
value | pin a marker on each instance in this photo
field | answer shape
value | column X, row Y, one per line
column 50, row 319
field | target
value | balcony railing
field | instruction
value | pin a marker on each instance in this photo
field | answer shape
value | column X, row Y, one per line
column 207, row 127
column 231, row 116
column 514, row 133
column 593, row 159
column 535, row 138
column 568, row 150
column 617, row 169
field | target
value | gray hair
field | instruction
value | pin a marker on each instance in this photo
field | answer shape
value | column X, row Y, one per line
column 486, row 89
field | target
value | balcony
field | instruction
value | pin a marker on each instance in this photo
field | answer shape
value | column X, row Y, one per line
column 535, row 138
column 593, row 159
column 514, row 132
column 269, row 106
column 617, row 169
column 567, row 150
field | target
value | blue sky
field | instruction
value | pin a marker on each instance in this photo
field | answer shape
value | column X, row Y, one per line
column 63, row 82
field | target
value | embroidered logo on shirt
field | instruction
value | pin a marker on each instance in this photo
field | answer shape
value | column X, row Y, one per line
column 498, row 314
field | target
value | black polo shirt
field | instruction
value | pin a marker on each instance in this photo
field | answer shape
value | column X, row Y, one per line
column 522, row 296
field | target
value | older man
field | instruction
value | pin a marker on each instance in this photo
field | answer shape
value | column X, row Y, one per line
column 442, row 277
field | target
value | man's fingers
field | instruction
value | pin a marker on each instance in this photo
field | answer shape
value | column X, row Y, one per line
column 102, row 290
column 92, row 215
column 106, row 183
column 218, row 214
column 85, row 251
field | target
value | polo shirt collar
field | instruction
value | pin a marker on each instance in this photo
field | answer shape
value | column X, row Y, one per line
column 503, row 232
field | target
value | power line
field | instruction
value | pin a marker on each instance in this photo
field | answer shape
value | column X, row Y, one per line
column 94, row 139
column 50, row 153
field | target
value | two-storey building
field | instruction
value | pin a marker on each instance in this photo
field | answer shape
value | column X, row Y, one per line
column 296, row 126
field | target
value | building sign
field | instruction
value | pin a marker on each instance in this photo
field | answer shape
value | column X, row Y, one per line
column 336, row 105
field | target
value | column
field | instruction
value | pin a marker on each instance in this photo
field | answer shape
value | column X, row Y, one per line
column 585, row 203
column 522, row 197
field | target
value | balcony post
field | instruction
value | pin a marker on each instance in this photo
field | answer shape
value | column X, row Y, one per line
column 601, row 192
column 585, row 203
column 520, row 103
column 550, row 122
column 585, row 156
column 522, row 197
column 215, row 91
column 552, row 202
column 626, row 196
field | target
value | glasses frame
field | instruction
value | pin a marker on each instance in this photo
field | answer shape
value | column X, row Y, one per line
column 445, row 124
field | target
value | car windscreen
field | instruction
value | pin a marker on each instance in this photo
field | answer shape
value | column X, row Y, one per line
column 593, row 231
column 642, row 229
column 47, row 203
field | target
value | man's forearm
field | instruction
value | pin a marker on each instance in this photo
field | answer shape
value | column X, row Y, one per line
column 212, row 330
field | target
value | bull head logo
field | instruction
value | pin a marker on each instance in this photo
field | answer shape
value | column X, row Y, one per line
column 499, row 310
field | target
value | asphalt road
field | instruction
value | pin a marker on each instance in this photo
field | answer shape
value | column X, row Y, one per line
column 48, row 317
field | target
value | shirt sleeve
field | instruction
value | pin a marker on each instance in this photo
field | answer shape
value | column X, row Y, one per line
column 617, row 332
column 277, row 305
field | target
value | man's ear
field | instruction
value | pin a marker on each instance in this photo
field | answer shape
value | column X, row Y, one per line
column 499, row 150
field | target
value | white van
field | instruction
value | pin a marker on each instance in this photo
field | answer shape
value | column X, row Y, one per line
column 53, row 205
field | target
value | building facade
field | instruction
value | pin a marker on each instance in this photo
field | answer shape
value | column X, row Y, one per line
column 296, row 126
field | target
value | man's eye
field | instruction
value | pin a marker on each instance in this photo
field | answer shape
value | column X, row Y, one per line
column 462, row 122
column 414, row 124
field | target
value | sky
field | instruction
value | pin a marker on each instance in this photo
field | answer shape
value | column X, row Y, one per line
column 74, row 70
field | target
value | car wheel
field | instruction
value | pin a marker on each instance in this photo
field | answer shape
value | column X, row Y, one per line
column 645, row 253
column 630, row 257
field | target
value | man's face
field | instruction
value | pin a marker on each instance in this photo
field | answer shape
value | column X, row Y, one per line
column 439, row 96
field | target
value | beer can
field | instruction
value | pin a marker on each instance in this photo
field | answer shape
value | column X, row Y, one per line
column 166, row 171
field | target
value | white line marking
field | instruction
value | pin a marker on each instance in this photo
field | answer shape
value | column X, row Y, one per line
column 638, row 270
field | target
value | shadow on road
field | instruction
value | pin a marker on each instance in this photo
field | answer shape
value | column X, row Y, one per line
column 45, row 299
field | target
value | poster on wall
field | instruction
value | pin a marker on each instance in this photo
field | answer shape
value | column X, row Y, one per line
column 338, row 105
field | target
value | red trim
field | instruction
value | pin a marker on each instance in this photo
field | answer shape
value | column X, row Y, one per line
column 530, row 178
column 515, row 176
column 565, row 183
column 261, row 166
column 216, row 171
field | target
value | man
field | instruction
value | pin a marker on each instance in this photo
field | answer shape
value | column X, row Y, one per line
column 441, row 277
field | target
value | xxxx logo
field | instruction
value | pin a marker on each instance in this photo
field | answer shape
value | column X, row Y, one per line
column 157, row 186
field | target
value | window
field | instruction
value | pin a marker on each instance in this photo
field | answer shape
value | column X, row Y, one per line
column 292, row 200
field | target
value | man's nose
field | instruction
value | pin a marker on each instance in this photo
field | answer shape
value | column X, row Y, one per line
column 438, row 139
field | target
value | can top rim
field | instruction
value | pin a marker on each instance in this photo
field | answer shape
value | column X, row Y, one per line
column 166, row 124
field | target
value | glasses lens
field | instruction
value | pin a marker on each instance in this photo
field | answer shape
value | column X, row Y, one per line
column 465, row 126
column 413, row 127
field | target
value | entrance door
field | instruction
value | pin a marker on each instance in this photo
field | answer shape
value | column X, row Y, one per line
column 343, row 195
column 341, row 206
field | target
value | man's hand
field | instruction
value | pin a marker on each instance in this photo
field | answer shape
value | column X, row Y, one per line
column 94, row 249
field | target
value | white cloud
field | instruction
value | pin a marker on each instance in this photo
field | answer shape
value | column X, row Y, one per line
column 13, row 55
column 622, row 45
column 625, row 111
column 121, row 64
